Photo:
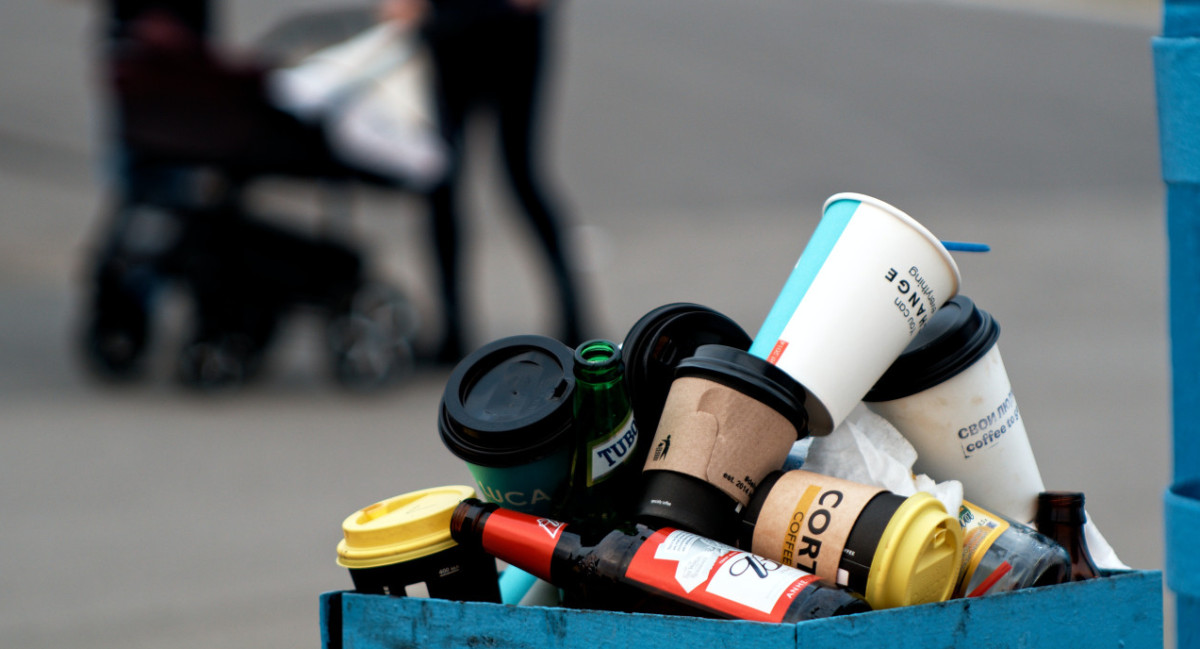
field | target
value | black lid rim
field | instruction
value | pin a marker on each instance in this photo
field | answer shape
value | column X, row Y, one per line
column 913, row 373
column 477, row 364
column 658, row 316
column 469, row 450
column 642, row 333
column 648, row 394
column 752, row 376
column 513, row 441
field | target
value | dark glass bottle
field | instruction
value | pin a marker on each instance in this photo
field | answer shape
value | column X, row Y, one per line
column 701, row 576
column 604, row 477
column 1060, row 516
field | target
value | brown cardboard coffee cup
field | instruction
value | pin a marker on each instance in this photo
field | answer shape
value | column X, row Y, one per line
column 719, row 435
column 729, row 420
column 806, row 519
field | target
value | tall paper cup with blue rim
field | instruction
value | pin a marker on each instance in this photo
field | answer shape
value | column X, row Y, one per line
column 508, row 412
column 868, row 281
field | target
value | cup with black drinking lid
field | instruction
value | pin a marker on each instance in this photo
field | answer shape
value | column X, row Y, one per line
column 507, row 411
column 402, row 546
column 730, row 419
column 950, row 396
column 658, row 342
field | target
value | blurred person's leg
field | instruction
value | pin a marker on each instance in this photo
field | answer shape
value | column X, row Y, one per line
column 454, row 79
column 519, row 102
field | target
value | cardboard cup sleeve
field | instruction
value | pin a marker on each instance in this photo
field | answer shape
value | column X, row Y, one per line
column 719, row 435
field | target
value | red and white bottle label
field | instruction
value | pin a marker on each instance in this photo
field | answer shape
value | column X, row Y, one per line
column 717, row 577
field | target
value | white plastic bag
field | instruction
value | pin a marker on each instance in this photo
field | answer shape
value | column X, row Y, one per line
column 372, row 94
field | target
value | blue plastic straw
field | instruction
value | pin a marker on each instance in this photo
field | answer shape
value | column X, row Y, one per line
column 965, row 246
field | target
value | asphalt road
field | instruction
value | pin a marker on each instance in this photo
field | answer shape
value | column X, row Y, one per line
column 696, row 143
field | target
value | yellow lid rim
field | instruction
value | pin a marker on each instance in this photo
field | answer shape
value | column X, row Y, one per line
column 391, row 531
column 900, row 553
column 386, row 556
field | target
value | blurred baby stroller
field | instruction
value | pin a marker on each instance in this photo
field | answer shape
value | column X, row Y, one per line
column 194, row 130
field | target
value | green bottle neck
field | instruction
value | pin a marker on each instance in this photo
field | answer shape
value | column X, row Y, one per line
column 598, row 364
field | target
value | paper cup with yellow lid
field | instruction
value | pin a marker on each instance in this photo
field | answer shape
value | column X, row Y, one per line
column 402, row 546
column 891, row 550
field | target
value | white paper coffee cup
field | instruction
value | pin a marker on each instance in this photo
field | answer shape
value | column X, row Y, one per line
column 950, row 396
column 868, row 281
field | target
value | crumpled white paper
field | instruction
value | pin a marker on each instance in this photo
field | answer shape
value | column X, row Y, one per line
column 1102, row 553
column 867, row 449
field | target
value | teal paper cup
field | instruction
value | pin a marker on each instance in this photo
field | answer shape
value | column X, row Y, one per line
column 507, row 411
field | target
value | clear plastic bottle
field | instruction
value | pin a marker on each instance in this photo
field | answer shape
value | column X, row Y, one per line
column 1000, row 554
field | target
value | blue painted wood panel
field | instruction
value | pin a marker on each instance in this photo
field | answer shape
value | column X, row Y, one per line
column 1123, row 611
column 1177, row 86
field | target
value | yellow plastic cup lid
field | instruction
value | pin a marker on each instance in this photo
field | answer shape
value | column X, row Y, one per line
column 401, row 528
column 918, row 557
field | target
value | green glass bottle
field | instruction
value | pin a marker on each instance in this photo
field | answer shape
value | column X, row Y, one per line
column 604, row 477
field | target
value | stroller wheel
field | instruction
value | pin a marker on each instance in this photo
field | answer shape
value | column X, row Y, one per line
column 227, row 362
column 114, row 352
column 115, row 337
column 371, row 342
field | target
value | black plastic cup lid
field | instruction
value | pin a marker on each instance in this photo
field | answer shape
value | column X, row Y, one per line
column 671, row 499
column 509, row 402
column 955, row 337
column 657, row 343
column 751, row 376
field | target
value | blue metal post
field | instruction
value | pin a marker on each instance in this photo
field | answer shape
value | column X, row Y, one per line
column 1177, row 76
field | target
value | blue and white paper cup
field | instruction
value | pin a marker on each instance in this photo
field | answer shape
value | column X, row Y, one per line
column 868, row 281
